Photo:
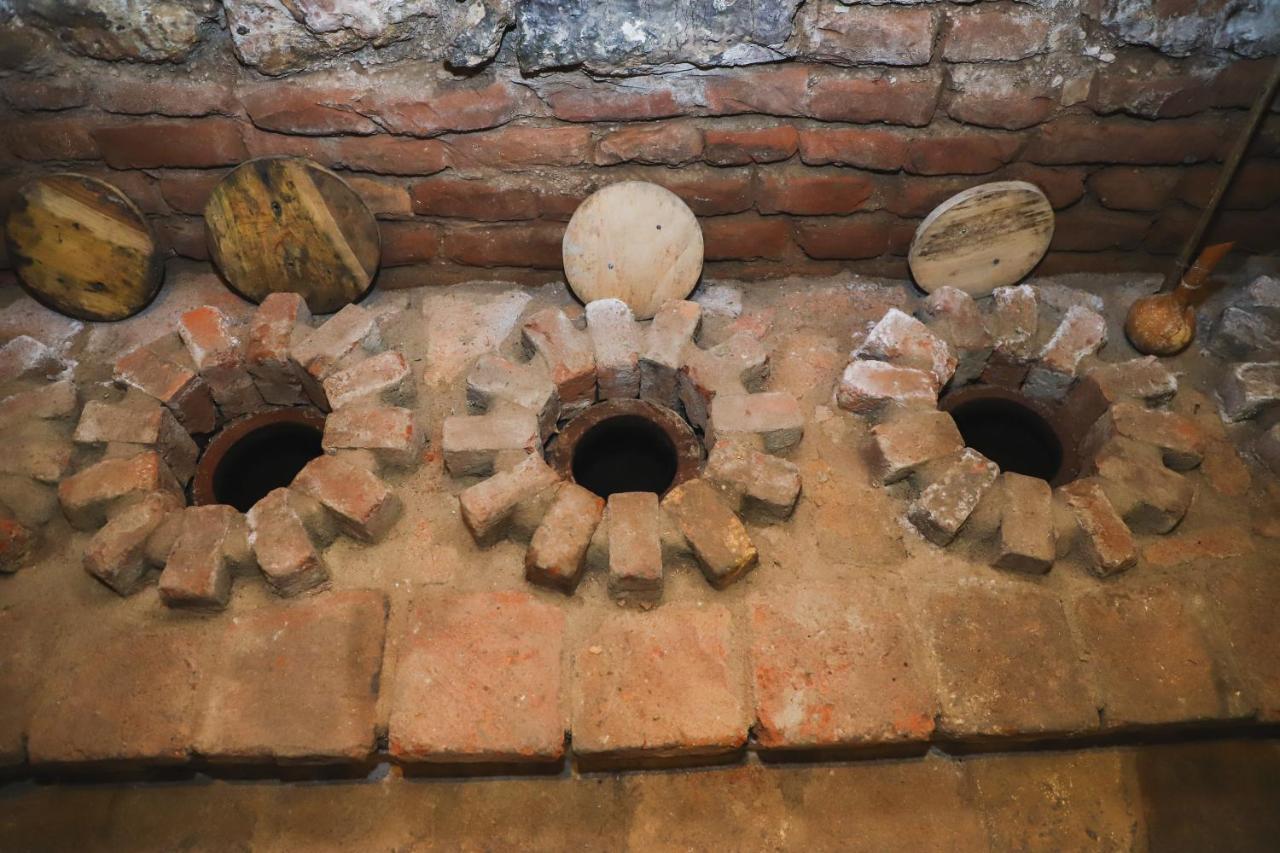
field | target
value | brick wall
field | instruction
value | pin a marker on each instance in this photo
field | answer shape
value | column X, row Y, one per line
column 825, row 160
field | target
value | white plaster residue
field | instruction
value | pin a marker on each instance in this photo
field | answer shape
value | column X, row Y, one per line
column 461, row 325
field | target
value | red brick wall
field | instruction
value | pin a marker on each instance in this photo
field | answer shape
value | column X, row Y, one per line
column 793, row 167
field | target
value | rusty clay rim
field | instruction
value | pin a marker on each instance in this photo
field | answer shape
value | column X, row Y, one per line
column 688, row 448
column 202, row 493
column 1053, row 417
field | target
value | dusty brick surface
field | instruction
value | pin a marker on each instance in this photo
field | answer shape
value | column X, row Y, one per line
column 287, row 687
column 901, row 445
column 567, row 353
column 84, row 716
column 775, row 416
column 30, row 502
column 617, row 340
column 673, row 328
column 17, row 543
column 953, row 315
column 904, row 341
column 181, row 389
column 333, row 345
column 212, row 543
column 1081, row 333
column 90, row 496
column 495, row 381
column 1014, row 321
column 388, row 432
column 1243, row 602
column 635, row 546
column 837, row 667
column 868, row 387
column 38, row 449
column 282, row 319
column 762, row 486
column 718, row 539
column 383, row 378
column 487, row 506
column 282, row 547
column 219, row 357
column 364, row 506
column 472, row 444
column 27, row 639
column 946, row 503
column 1150, row 497
column 1150, row 658
column 1007, row 664
column 117, row 553
column 151, row 426
column 53, row 401
column 1180, row 439
column 1248, row 389
column 663, row 684
column 558, row 550
column 1027, row 534
column 23, row 357
column 1107, row 540
column 736, row 366
column 478, row 680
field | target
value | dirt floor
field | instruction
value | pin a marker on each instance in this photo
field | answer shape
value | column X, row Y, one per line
column 847, row 529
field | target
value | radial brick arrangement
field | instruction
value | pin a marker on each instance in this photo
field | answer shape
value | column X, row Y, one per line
column 570, row 371
column 122, row 464
column 1123, row 463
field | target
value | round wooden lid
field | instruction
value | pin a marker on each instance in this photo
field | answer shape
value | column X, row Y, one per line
column 986, row 237
column 287, row 224
column 633, row 241
column 81, row 247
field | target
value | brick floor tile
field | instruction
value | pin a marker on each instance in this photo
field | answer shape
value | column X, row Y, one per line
column 658, row 685
column 1007, row 664
column 478, row 679
column 27, row 636
column 837, row 667
column 1246, row 634
column 120, row 695
column 296, row 681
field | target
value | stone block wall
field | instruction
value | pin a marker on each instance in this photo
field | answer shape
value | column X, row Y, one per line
column 810, row 136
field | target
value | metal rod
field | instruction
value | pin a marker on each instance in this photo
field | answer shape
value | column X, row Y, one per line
column 1229, row 169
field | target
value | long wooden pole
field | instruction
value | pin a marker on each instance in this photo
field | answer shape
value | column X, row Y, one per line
column 1229, row 169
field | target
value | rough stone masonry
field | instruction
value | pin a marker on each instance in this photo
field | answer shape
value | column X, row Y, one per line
column 809, row 136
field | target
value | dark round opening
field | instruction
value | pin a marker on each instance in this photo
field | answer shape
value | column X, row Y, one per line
column 253, row 456
column 1011, row 434
column 627, row 453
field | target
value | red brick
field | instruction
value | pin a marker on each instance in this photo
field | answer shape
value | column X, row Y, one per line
column 385, row 377
column 838, row 667
column 711, row 527
column 901, row 445
column 960, row 154
column 1147, row 85
column 219, row 356
column 671, row 332
column 534, row 245
column 811, row 192
column 188, row 192
column 170, row 93
column 617, row 340
column 775, row 416
column 389, row 432
column 882, row 150
column 1199, row 547
column 763, row 487
column 182, row 390
column 143, row 422
column 523, row 146
column 567, row 353
column 634, row 525
column 708, row 192
column 658, row 685
column 197, row 143
column 409, row 243
column 916, row 196
column 299, row 108
column 1001, row 31
column 334, row 344
column 904, row 97
column 483, row 200
column 1002, row 96
column 1255, row 187
column 666, row 143
column 1062, row 186
column 117, row 554
column 53, row 138
column 17, row 543
column 287, row 687
column 887, row 35
column 1074, row 139
column 412, row 109
column 742, row 146
column 382, row 197
column 558, row 550
column 478, row 680
column 948, row 501
column 283, row 548
column 745, row 237
column 1149, row 654
column 385, row 155
column 280, row 320
column 83, row 717
column 43, row 93
column 364, row 506
column 1244, row 601
column 860, row 236
column 212, row 543
column 770, row 89
column 183, row 236
column 487, row 506
column 590, row 100
column 1107, row 541
column 54, row 401
column 1027, row 532
column 90, row 496
column 1129, row 188
column 1007, row 664
column 494, row 380
column 1088, row 228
